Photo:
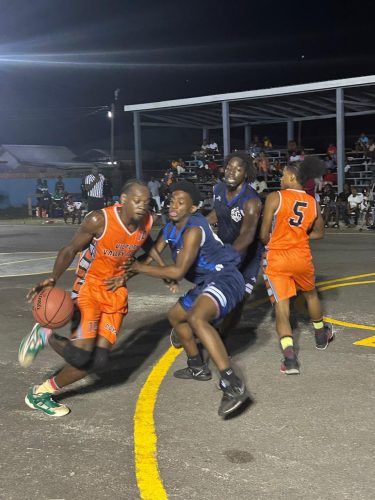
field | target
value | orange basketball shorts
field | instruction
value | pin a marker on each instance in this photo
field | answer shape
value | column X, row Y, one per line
column 100, row 312
column 287, row 271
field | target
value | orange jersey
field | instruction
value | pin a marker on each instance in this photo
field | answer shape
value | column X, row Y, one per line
column 292, row 221
column 115, row 246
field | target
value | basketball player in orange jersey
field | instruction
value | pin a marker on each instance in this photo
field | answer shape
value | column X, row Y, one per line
column 291, row 218
column 109, row 237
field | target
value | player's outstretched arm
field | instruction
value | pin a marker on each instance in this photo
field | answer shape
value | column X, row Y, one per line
column 270, row 207
column 191, row 244
column 91, row 227
column 252, row 211
column 317, row 230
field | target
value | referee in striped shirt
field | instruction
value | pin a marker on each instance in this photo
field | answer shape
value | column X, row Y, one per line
column 94, row 183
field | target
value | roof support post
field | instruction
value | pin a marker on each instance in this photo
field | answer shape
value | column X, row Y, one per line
column 340, row 139
column 205, row 133
column 290, row 131
column 137, row 144
column 247, row 136
column 226, row 128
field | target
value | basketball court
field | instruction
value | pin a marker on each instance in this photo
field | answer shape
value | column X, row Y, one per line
column 137, row 432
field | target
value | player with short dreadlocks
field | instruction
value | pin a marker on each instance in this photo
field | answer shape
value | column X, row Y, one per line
column 291, row 218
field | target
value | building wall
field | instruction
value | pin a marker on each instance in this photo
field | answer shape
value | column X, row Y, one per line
column 14, row 192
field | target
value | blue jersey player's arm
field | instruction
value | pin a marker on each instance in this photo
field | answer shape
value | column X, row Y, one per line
column 192, row 239
column 252, row 210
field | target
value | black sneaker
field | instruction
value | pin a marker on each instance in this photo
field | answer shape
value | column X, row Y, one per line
column 322, row 339
column 174, row 340
column 233, row 397
column 196, row 373
column 290, row 366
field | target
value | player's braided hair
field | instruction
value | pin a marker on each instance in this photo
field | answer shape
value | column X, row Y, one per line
column 130, row 183
column 311, row 168
column 247, row 163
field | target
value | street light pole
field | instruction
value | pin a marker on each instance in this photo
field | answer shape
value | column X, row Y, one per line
column 113, row 110
column 111, row 116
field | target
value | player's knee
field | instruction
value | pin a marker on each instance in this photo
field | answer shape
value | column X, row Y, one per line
column 75, row 356
column 195, row 320
column 100, row 359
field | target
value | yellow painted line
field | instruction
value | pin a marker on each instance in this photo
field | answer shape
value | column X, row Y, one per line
column 145, row 440
column 319, row 283
column 369, row 341
column 339, row 285
column 149, row 482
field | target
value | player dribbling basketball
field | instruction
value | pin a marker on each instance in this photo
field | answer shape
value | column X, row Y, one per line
column 107, row 239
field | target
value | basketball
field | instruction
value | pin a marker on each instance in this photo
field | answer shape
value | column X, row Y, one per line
column 53, row 307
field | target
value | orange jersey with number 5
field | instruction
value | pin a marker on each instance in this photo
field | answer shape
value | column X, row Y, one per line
column 292, row 221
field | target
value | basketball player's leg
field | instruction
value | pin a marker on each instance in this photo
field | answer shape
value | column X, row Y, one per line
column 196, row 368
column 305, row 281
column 322, row 330
column 249, row 271
column 216, row 301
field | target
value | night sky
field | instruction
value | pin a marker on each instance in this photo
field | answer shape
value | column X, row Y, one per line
column 61, row 60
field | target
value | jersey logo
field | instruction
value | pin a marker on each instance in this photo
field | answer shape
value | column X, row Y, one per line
column 235, row 214
column 142, row 236
column 299, row 213
column 217, row 197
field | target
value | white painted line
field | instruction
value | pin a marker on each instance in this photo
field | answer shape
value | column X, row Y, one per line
column 25, row 260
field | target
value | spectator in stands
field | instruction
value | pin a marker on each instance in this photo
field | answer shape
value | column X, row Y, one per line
column 277, row 169
column 256, row 146
column 204, row 146
column 180, row 167
column 371, row 150
column 260, row 186
column 43, row 197
column 213, row 148
column 332, row 152
column 263, row 165
column 330, row 177
column 342, row 206
column 94, row 184
column 212, row 166
column 362, row 142
column 83, row 189
column 328, row 199
column 355, row 201
column 107, row 192
column 59, row 185
column 267, row 144
column 154, row 186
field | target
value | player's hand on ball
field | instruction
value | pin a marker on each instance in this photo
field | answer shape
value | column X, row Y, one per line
column 114, row 284
column 39, row 287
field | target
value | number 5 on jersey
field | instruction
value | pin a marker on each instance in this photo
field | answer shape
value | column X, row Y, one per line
column 299, row 214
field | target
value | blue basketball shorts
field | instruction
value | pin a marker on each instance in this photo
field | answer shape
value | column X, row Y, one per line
column 226, row 288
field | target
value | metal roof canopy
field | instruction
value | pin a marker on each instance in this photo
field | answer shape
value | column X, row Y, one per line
column 289, row 104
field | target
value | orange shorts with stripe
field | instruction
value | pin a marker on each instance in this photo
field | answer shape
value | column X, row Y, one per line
column 287, row 271
column 100, row 312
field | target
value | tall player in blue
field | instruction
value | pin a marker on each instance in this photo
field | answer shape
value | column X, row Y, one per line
column 203, row 259
column 237, row 209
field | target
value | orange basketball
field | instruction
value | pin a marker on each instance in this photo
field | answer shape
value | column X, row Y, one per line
column 53, row 307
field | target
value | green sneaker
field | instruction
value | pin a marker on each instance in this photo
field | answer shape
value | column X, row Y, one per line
column 31, row 345
column 45, row 403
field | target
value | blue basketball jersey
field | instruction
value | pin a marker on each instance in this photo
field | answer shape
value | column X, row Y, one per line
column 214, row 256
column 230, row 214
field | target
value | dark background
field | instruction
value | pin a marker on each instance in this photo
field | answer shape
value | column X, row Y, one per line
column 61, row 60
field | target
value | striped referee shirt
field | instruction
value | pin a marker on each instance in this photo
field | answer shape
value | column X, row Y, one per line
column 97, row 190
